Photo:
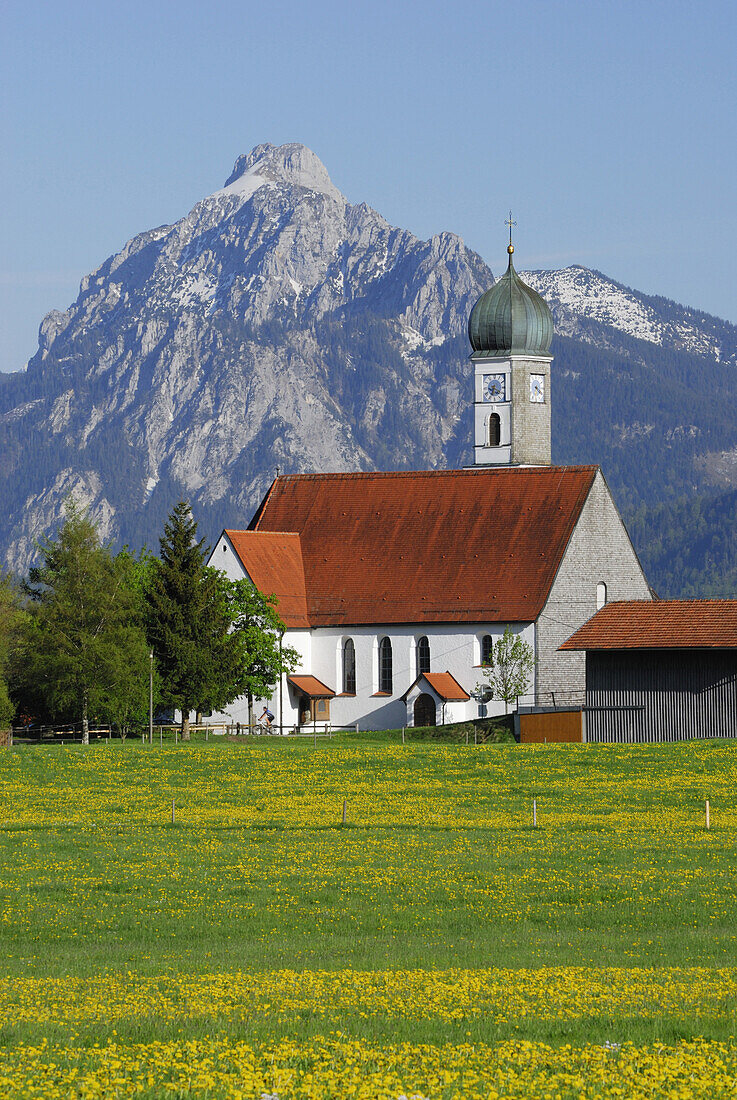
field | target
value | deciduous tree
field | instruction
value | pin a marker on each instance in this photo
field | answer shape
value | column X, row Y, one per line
column 509, row 669
column 10, row 618
column 83, row 646
column 263, row 657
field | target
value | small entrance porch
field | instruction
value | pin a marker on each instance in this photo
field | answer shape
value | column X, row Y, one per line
column 312, row 699
column 434, row 699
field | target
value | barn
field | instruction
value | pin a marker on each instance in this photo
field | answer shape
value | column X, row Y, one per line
column 659, row 670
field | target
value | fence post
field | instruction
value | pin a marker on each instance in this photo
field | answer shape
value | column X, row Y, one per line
column 402, row 734
column 172, row 811
column 708, row 821
column 344, row 811
column 534, row 813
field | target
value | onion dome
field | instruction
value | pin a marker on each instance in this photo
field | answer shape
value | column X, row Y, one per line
column 510, row 319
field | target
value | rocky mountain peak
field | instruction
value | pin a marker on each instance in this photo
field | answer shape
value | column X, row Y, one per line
column 277, row 324
column 292, row 163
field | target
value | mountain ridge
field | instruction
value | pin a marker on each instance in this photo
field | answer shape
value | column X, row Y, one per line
column 277, row 324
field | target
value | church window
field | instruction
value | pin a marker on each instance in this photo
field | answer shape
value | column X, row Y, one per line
column 349, row 667
column 495, row 430
column 486, row 649
column 600, row 595
column 423, row 655
column 385, row 666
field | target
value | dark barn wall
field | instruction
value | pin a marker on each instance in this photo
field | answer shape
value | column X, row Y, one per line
column 661, row 695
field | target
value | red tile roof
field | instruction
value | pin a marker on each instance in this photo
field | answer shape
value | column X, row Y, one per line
column 446, row 686
column 273, row 561
column 437, row 546
column 311, row 686
column 660, row 624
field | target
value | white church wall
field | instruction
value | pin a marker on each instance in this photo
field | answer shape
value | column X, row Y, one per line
column 453, row 649
column 457, row 711
column 223, row 557
column 599, row 553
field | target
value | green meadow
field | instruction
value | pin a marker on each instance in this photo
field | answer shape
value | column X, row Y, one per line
column 437, row 914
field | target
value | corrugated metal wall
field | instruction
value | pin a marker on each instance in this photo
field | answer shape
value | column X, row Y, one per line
column 661, row 695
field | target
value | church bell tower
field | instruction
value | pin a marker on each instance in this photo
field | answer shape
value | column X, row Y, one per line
column 510, row 329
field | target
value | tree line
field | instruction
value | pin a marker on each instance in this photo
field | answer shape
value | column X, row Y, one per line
column 92, row 635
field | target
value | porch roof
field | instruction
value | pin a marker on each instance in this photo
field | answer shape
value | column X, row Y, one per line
column 310, row 685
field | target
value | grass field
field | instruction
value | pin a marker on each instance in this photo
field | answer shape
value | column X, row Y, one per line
column 436, row 945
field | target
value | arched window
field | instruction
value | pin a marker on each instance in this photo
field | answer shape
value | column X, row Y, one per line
column 385, row 666
column 486, row 649
column 349, row 667
column 495, row 430
column 600, row 595
column 423, row 656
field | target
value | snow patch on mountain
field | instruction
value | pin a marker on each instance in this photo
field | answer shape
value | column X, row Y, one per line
column 576, row 292
column 291, row 163
column 193, row 288
column 244, row 186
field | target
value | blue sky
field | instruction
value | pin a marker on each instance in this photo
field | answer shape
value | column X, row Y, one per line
column 609, row 128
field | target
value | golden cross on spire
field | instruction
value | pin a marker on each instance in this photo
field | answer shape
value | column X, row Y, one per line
column 510, row 223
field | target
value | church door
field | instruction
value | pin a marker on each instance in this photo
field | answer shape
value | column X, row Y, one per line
column 425, row 710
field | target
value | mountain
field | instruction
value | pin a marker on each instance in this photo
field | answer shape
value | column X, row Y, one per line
column 647, row 388
column 278, row 325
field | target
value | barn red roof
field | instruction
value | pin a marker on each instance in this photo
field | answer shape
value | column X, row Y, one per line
column 660, row 624
column 437, row 546
column 273, row 561
column 444, row 684
column 311, row 686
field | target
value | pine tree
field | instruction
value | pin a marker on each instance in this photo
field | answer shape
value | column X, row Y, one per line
column 188, row 622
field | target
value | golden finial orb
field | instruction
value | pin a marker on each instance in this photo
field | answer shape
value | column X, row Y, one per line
column 510, row 223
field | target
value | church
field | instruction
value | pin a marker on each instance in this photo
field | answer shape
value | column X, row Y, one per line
column 394, row 587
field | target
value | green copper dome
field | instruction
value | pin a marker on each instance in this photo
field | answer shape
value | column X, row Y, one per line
column 510, row 319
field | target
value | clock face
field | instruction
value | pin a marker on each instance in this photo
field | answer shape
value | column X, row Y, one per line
column 494, row 387
column 537, row 388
